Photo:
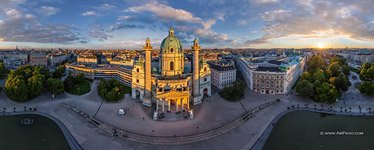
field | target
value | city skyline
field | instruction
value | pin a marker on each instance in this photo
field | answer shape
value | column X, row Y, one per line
column 218, row 24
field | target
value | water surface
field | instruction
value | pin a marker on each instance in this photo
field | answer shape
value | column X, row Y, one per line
column 43, row 134
column 302, row 130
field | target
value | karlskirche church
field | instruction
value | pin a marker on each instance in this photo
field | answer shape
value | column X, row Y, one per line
column 172, row 87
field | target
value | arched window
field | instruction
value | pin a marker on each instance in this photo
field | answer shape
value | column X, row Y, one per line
column 171, row 50
column 171, row 65
column 204, row 68
column 137, row 69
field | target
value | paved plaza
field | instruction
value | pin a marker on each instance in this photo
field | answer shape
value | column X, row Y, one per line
column 211, row 114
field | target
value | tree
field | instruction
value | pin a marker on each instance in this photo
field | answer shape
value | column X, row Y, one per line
column 307, row 76
column 367, row 72
column 43, row 71
column 319, row 75
column 305, row 89
column 3, row 71
column 35, row 85
column 59, row 72
column 26, row 82
column 345, row 70
column 370, row 73
column 234, row 92
column 366, row 65
column 326, row 93
column 15, row 88
column 341, row 82
column 111, row 90
column 314, row 63
column 77, row 85
column 334, row 69
column 367, row 88
column 55, row 86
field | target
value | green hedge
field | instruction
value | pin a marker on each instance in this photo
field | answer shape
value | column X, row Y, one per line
column 112, row 90
column 77, row 85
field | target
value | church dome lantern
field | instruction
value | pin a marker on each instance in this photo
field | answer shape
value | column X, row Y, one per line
column 171, row 44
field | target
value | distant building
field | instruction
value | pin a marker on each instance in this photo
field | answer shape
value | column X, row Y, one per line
column 55, row 60
column 87, row 59
column 102, row 71
column 38, row 60
column 13, row 63
column 119, row 61
column 223, row 73
column 362, row 58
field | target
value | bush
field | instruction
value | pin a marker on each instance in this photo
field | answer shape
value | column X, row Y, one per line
column 77, row 85
column 112, row 90
column 234, row 92
column 367, row 88
column 55, row 86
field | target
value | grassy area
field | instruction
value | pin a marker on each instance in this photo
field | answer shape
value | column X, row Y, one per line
column 81, row 88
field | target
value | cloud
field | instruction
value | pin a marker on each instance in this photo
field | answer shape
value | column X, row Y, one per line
column 208, row 24
column 264, row 1
column 106, row 6
column 90, row 13
column 278, row 14
column 125, row 17
column 165, row 12
column 13, row 13
column 20, row 27
column 121, row 25
column 206, row 36
column 47, row 10
column 99, row 33
column 322, row 19
column 186, row 24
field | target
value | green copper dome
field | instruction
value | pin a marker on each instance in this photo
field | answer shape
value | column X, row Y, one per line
column 171, row 42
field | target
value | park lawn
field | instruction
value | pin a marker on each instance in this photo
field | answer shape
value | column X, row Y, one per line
column 81, row 88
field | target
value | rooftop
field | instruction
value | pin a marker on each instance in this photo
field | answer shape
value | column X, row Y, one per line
column 269, row 69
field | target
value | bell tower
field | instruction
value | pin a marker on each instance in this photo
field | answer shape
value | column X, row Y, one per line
column 147, row 74
column 196, row 77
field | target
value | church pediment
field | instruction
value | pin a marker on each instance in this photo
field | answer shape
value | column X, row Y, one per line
column 172, row 94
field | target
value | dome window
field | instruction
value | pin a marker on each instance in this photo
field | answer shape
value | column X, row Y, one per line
column 171, row 65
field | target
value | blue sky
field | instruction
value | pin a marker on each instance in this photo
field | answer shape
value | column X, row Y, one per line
column 125, row 24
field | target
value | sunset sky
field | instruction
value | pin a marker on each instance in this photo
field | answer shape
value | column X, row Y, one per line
column 125, row 24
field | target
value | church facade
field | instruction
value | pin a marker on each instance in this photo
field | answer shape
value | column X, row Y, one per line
column 171, row 88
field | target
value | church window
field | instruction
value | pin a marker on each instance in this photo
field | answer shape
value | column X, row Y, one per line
column 171, row 50
column 171, row 65
column 137, row 69
column 204, row 68
column 137, row 80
